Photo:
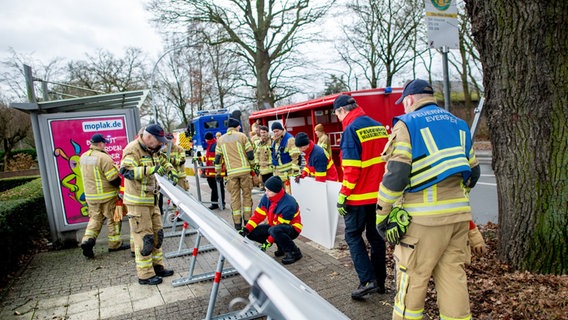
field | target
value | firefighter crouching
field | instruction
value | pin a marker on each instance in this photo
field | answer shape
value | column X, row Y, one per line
column 141, row 159
column 430, row 166
column 235, row 151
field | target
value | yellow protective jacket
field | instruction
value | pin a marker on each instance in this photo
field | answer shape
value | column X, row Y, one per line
column 137, row 166
column 287, row 156
column 97, row 171
column 232, row 149
column 324, row 142
column 263, row 156
column 442, row 203
column 177, row 159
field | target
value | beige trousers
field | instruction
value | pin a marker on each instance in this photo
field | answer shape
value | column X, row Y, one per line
column 437, row 251
column 98, row 212
column 237, row 186
column 146, row 227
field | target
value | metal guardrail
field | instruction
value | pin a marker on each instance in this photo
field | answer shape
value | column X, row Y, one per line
column 274, row 290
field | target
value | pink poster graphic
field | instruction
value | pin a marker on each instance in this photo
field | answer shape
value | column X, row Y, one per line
column 70, row 139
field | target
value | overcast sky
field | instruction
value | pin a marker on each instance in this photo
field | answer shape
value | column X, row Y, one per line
column 70, row 28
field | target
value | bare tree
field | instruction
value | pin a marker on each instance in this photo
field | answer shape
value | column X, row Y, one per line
column 382, row 38
column 266, row 32
column 467, row 64
column 523, row 48
column 16, row 126
column 13, row 80
column 106, row 73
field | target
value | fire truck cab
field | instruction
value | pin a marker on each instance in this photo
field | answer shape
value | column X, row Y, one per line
column 378, row 104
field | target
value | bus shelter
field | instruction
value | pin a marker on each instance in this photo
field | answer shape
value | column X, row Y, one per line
column 62, row 130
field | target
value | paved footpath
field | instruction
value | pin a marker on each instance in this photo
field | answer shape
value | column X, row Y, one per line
column 65, row 285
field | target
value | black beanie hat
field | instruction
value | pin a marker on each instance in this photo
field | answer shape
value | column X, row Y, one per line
column 273, row 184
column 302, row 139
column 276, row 125
column 233, row 123
column 208, row 136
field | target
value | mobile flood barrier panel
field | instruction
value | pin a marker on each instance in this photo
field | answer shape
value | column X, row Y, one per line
column 275, row 292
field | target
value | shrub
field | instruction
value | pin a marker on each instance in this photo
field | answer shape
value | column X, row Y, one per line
column 23, row 220
column 9, row 183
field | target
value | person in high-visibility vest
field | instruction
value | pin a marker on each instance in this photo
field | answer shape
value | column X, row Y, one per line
column 235, row 151
column 210, row 174
column 323, row 138
column 285, row 155
column 262, row 154
column 431, row 166
column 101, row 183
column 141, row 159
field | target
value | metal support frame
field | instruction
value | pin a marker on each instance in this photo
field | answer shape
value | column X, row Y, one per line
column 219, row 202
column 184, row 252
column 275, row 292
column 206, row 276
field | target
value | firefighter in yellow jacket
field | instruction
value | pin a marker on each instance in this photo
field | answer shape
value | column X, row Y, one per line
column 423, row 204
column 101, row 183
column 141, row 159
column 262, row 154
column 177, row 159
column 235, row 150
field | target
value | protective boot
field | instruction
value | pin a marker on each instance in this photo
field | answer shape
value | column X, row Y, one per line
column 123, row 246
column 365, row 289
column 238, row 226
column 279, row 252
column 163, row 272
column 87, row 247
column 151, row 281
column 292, row 256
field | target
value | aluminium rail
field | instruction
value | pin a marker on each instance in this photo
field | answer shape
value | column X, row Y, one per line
column 274, row 289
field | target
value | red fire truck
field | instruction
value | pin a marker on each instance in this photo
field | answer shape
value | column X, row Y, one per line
column 304, row 116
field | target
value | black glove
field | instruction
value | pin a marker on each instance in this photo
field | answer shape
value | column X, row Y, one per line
column 244, row 232
column 219, row 178
column 297, row 178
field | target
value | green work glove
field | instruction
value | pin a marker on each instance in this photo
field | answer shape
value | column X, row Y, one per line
column 154, row 169
column 265, row 245
column 341, row 206
column 397, row 225
column 161, row 170
column 381, row 222
column 173, row 176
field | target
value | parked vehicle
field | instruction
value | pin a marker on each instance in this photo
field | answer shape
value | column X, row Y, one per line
column 379, row 104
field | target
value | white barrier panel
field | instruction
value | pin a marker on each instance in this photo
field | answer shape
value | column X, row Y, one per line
column 281, row 294
column 318, row 208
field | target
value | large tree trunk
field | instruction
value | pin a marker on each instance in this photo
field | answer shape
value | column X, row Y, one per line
column 524, row 53
column 264, row 95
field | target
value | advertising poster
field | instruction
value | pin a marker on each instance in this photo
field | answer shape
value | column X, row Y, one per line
column 70, row 138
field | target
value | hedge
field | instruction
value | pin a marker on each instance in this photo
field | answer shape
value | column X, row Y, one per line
column 23, row 221
column 10, row 183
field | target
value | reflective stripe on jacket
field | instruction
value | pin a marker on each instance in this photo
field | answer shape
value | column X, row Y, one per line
column 142, row 189
column 284, row 153
column 362, row 142
column 263, row 156
column 97, row 170
column 280, row 209
column 319, row 164
column 439, row 141
column 233, row 147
